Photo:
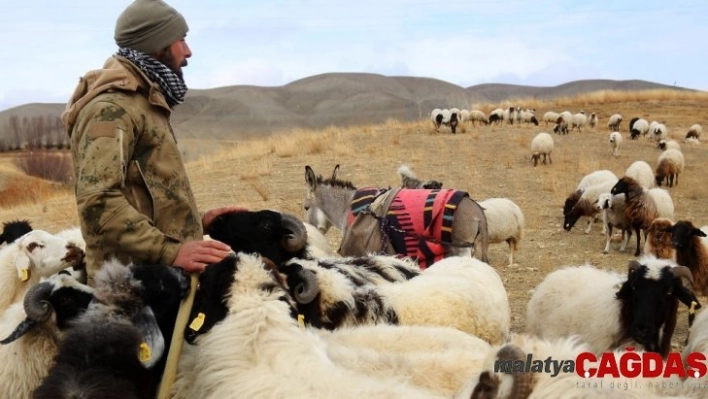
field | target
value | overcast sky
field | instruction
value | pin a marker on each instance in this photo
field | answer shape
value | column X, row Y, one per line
column 47, row 44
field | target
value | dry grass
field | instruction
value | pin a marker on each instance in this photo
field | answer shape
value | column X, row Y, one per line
column 486, row 161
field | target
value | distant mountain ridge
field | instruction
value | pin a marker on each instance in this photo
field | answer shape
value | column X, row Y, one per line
column 339, row 99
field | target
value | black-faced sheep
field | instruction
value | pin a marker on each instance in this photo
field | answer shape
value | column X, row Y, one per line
column 436, row 117
column 692, row 251
column 669, row 167
column 561, row 126
column 588, row 180
column 666, row 144
column 259, row 342
column 613, row 122
column 693, row 134
column 409, row 180
column 638, row 127
column 585, row 206
column 643, row 309
column 13, row 230
column 642, row 207
column 542, row 145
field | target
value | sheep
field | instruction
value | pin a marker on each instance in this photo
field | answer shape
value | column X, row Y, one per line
column 579, row 120
column 697, row 335
column 612, row 208
column 567, row 117
column 142, row 299
column 593, row 120
column 614, row 121
column 460, row 292
column 477, row 116
column 643, row 207
column 694, row 133
column 528, row 117
column 437, row 117
column 659, row 132
column 669, row 167
column 550, row 117
column 31, row 333
column 34, row 255
column 409, row 180
column 638, row 127
column 692, row 251
column 258, row 349
column 658, row 242
column 665, row 145
column 642, row 173
column 615, row 143
column 585, row 206
column 496, row 116
column 464, row 116
column 542, row 144
column 317, row 244
column 561, row 127
column 505, row 223
column 450, row 118
column 590, row 179
column 13, row 230
column 639, row 308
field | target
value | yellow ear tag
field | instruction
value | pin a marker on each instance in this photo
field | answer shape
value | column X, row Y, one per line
column 301, row 320
column 144, row 354
column 692, row 309
column 24, row 274
column 198, row 322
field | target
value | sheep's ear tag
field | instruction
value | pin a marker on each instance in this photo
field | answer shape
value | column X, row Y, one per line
column 198, row 322
column 301, row 320
column 618, row 287
column 23, row 274
column 144, row 354
column 692, row 308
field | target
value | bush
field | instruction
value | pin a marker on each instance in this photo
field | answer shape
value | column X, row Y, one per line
column 49, row 165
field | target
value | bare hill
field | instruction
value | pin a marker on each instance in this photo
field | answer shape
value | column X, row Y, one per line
column 341, row 99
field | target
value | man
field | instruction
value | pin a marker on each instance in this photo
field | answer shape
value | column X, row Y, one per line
column 133, row 196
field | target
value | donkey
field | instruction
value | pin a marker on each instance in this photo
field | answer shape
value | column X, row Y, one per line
column 332, row 199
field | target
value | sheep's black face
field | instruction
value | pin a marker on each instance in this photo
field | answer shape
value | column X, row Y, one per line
column 14, row 230
column 68, row 304
column 619, row 188
column 209, row 305
column 682, row 234
column 251, row 232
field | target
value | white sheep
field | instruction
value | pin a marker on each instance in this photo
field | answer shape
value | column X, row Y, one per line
column 317, row 244
column 496, row 116
column 505, row 223
column 669, row 166
column 542, row 144
column 614, row 121
column 666, row 144
column 464, row 115
column 585, row 206
column 615, row 143
column 259, row 351
column 460, row 292
column 697, row 335
column 612, row 209
column 694, row 133
column 642, row 173
column 607, row 309
column 35, row 255
column 478, row 117
column 659, row 132
column 527, row 116
column 593, row 120
column 596, row 177
column 550, row 117
column 640, row 127
column 579, row 120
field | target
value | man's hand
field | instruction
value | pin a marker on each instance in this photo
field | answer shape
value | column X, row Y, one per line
column 212, row 213
column 194, row 256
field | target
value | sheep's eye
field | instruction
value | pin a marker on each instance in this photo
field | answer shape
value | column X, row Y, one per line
column 31, row 246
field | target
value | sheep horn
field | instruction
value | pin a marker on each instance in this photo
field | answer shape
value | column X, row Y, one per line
column 523, row 382
column 25, row 326
column 307, row 290
column 296, row 238
column 35, row 303
column 683, row 272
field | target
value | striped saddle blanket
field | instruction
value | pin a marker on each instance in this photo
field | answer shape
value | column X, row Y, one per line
column 417, row 223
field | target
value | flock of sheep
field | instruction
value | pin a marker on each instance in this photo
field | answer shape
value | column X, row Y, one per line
column 285, row 315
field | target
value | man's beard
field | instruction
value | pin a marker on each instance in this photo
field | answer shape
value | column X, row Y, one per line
column 168, row 59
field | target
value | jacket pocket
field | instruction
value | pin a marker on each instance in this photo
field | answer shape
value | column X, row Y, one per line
column 140, row 196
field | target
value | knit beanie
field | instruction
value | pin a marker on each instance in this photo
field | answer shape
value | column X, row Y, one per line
column 149, row 26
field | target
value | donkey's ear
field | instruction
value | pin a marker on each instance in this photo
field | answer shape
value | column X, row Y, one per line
column 310, row 177
column 335, row 172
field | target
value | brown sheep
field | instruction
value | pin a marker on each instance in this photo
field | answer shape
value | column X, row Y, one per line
column 692, row 252
column 640, row 208
column 670, row 165
column 659, row 239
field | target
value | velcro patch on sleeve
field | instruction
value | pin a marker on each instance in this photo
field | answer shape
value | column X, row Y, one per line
column 100, row 129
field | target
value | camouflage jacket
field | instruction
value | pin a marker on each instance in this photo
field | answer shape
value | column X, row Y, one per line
column 134, row 199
